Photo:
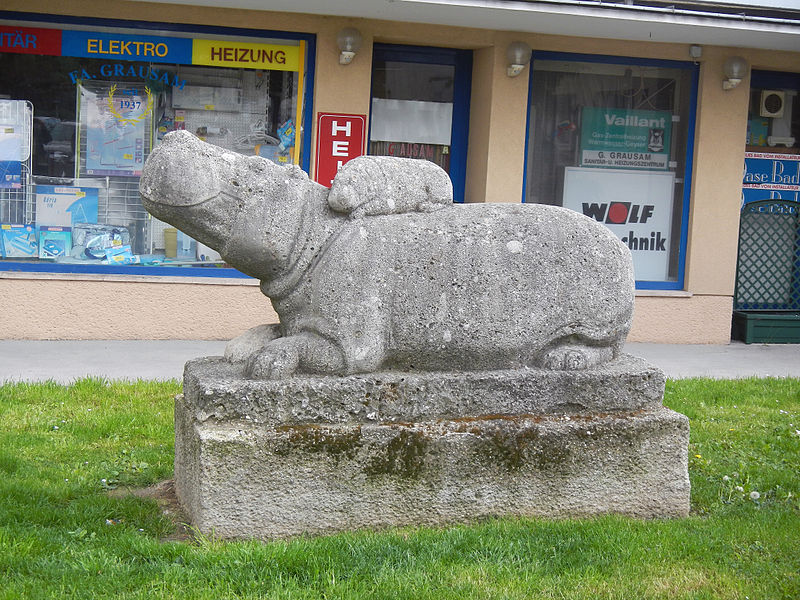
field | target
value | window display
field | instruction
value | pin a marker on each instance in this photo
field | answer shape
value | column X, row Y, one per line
column 772, row 157
column 420, row 106
column 80, row 110
column 609, row 137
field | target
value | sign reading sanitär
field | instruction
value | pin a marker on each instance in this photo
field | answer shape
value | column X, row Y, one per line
column 635, row 205
column 615, row 138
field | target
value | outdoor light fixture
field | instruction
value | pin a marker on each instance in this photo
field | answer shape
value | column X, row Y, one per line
column 349, row 42
column 735, row 69
column 519, row 55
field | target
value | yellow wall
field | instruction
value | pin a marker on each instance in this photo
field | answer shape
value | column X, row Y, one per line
column 77, row 307
column 498, row 116
column 39, row 306
column 722, row 123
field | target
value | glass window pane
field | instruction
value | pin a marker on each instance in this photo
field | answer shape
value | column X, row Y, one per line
column 412, row 110
column 73, row 187
column 609, row 140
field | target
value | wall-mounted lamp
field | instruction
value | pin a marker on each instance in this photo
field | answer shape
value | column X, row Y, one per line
column 735, row 69
column 519, row 55
column 349, row 42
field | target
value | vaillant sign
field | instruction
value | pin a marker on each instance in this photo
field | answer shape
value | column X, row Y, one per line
column 617, row 138
column 635, row 205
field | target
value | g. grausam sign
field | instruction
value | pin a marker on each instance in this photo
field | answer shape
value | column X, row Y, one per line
column 625, row 139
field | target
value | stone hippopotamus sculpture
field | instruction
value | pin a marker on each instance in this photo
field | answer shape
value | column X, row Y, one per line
column 383, row 271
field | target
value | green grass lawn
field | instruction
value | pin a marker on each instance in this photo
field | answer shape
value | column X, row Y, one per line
column 66, row 531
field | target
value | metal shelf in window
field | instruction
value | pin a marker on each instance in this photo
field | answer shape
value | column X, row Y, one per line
column 16, row 121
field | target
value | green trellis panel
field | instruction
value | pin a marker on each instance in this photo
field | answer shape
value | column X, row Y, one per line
column 768, row 267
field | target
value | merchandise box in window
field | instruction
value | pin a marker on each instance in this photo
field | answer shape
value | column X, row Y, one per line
column 54, row 242
column 90, row 240
column 18, row 241
column 65, row 205
column 757, row 132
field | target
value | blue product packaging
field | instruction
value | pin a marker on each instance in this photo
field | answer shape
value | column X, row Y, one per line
column 286, row 135
column 18, row 241
column 121, row 255
column 757, row 132
column 92, row 240
column 54, row 242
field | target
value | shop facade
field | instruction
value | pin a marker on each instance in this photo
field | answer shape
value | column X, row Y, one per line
column 640, row 135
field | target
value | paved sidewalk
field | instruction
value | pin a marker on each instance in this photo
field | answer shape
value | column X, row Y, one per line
column 65, row 361
column 731, row 361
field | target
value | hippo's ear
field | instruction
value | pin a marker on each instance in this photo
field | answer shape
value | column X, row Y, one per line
column 385, row 185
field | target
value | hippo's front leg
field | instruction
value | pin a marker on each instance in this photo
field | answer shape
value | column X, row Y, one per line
column 305, row 352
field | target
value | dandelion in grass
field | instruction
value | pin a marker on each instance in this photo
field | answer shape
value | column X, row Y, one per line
column 754, row 495
column 725, row 478
column 739, row 488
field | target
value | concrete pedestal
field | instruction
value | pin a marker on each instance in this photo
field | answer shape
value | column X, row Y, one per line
column 315, row 455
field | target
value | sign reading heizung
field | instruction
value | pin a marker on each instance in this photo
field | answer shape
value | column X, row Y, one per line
column 618, row 138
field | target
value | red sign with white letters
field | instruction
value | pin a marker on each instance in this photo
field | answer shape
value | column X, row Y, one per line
column 30, row 40
column 339, row 138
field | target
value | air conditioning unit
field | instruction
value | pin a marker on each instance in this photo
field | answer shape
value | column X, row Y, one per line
column 773, row 103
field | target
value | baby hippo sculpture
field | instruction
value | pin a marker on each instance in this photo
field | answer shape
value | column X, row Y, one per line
column 384, row 272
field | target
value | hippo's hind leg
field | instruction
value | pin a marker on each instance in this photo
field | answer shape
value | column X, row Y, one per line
column 304, row 352
column 574, row 354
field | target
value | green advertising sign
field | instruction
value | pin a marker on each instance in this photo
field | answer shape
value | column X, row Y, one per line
column 618, row 138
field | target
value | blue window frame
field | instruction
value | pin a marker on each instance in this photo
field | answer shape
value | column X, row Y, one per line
column 443, row 76
column 580, row 108
column 304, row 127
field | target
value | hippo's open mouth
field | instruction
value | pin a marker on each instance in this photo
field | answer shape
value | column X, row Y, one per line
column 151, row 189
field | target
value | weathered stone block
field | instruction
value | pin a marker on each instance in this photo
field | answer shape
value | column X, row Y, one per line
column 249, row 465
column 221, row 391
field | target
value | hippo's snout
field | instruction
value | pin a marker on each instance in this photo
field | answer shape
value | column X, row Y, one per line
column 191, row 194
column 173, row 178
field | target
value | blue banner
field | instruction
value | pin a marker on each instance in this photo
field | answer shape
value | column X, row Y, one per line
column 771, row 176
column 146, row 48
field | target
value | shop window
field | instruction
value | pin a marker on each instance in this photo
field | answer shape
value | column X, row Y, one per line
column 611, row 138
column 81, row 108
column 420, row 106
column 772, row 157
